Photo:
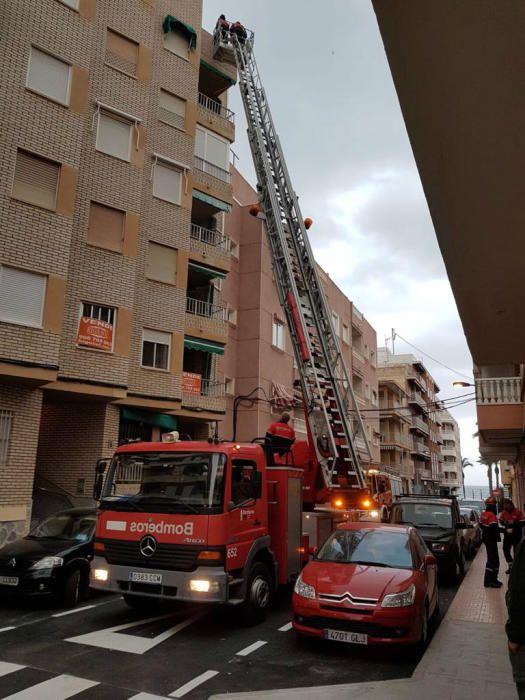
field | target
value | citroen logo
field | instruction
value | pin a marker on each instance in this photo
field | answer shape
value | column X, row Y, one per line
column 148, row 546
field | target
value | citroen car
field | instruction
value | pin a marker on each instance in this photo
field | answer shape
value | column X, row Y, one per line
column 368, row 584
column 53, row 559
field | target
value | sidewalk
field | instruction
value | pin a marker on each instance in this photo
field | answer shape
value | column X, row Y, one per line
column 466, row 660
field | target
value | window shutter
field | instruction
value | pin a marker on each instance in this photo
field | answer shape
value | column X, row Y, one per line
column 36, row 180
column 122, row 53
column 162, row 263
column 21, row 296
column 167, row 183
column 200, row 143
column 49, row 76
column 106, row 227
column 172, row 109
column 177, row 43
column 156, row 337
column 114, row 136
column 217, row 151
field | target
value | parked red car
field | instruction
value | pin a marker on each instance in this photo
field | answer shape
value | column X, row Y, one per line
column 369, row 583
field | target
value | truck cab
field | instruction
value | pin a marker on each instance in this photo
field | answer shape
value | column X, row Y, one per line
column 196, row 521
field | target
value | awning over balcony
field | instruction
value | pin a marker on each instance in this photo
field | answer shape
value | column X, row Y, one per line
column 160, row 420
column 212, row 201
column 171, row 24
column 203, row 345
column 210, row 272
column 218, row 72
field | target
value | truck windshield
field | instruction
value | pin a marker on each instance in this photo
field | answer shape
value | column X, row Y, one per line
column 176, row 482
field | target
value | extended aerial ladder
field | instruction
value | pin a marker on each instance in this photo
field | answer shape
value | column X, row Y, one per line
column 333, row 417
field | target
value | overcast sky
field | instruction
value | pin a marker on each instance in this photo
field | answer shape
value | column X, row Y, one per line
column 335, row 108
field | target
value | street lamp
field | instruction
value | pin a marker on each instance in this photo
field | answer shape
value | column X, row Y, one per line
column 461, row 384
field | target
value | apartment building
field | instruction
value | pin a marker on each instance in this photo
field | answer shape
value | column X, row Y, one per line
column 474, row 195
column 258, row 363
column 451, row 467
column 410, row 442
column 115, row 181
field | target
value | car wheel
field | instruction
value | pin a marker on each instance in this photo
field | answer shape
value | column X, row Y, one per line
column 72, row 589
column 258, row 596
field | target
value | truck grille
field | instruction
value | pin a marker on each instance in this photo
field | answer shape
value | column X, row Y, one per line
column 167, row 556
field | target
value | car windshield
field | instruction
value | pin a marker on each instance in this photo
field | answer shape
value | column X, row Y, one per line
column 423, row 514
column 373, row 547
column 178, row 482
column 66, row 526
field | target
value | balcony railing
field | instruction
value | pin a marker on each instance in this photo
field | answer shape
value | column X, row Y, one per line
column 417, row 398
column 498, row 390
column 205, row 309
column 420, row 425
column 210, row 237
column 213, row 389
column 216, row 107
column 419, row 379
column 419, row 447
column 212, row 169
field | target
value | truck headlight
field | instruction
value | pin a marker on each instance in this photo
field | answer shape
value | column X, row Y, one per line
column 400, row 600
column 304, row 589
column 199, row 585
column 101, row 574
column 47, row 563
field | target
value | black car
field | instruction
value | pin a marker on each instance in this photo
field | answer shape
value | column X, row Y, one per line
column 440, row 524
column 53, row 559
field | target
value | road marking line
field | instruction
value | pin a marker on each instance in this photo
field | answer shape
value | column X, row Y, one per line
column 147, row 696
column 6, row 668
column 252, row 647
column 110, row 639
column 6, row 629
column 190, row 685
column 58, row 688
column 75, row 610
column 285, row 628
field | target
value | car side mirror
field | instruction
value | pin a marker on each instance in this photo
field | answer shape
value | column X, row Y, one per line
column 429, row 560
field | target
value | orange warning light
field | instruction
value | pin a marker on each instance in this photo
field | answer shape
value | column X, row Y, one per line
column 307, row 223
column 255, row 209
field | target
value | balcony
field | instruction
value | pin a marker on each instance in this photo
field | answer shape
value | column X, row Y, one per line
column 208, row 395
column 209, row 243
column 418, row 379
column 501, row 415
column 215, row 116
column 206, row 318
column 418, row 424
column 420, row 449
column 212, row 180
column 417, row 398
column 498, row 391
column 448, row 435
column 358, row 362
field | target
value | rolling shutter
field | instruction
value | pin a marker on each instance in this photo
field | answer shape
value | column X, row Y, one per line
column 36, row 180
column 21, row 296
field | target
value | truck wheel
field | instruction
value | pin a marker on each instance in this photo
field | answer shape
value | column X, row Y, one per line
column 258, row 594
column 72, row 588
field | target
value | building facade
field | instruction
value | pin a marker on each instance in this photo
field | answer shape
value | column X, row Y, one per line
column 115, row 180
column 410, row 439
column 451, row 480
column 258, row 363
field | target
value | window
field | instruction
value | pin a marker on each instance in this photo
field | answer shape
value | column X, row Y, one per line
column 177, row 43
column 167, row 182
column 96, row 327
column 155, row 349
column 244, row 481
column 335, row 321
column 122, row 53
column 374, row 397
column 22, row 295
column 106, row 227
column 70, row 3
column 6, row 419
column 212, row 154
column 162, row 263
column 232, row 316
column 172, row 110
column 114, row 135
column 49, row 76
column 36, row 180
column 278, row 334
column 229, row 385
column 346, row 333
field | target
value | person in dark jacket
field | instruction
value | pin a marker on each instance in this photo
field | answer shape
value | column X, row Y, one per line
column 515, row 626
column 223, row 27
column 512, row 521
column 491, row 536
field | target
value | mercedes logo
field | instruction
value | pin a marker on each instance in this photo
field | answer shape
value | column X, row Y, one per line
column 11, row 562
column 148, row 546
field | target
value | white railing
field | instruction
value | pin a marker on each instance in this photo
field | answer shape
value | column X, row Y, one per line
column 205, row 309
column 216, row 107
column 210, row 237
column 212, row 169
column 498, row 390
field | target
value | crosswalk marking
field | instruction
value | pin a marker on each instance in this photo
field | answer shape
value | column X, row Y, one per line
column 58, row 688
column 74, row 611
column 6, row 629
column 190, row 685
column 252, row 647
column 6, row 668
column 285, row 628
column 148, row 696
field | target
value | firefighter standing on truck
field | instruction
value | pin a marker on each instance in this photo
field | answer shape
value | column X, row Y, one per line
column 491, row 536
column 512, row 521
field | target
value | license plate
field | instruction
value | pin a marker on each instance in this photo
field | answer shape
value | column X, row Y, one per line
column 143, row 577
column 9, row 580
column 348, row 637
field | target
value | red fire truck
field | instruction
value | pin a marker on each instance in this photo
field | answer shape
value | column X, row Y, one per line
column 223, row 521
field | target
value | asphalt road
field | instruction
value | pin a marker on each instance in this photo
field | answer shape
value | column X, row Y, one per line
column 103, row 651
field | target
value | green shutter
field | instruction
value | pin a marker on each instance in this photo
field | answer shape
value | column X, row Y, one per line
column 170, row 23
column 210, row 272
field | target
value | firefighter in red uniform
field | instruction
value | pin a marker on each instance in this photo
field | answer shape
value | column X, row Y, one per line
column 491, row 536
column 512, row 521
column 280, row 436
column 222, row 27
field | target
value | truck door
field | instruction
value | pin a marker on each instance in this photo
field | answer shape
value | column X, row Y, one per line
column 246, row 517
